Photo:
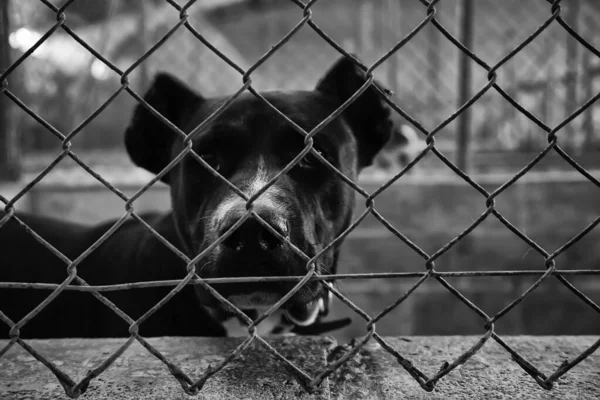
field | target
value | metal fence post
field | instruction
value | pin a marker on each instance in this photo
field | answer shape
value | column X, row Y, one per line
column 464, row 86
column 571, row 75
column 392, row 17
column 587, row 87
column 434, row 65
column 9, row 144
column 143, row 38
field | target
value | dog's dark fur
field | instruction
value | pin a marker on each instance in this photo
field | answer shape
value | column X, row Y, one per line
column 248, row 144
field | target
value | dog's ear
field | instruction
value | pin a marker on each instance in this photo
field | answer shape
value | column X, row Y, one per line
column 149, row 140
column 368, row 116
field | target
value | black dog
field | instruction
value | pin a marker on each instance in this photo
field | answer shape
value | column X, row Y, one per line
column 248, row 144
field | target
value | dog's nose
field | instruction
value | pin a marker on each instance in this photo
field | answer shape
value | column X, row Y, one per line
column 253, row 235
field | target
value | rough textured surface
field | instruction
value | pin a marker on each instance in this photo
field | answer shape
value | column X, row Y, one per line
column 371, row 374
column 139, row 375
column 490, row 374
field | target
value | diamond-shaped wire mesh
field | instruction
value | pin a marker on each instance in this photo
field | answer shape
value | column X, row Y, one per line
column 192, row 385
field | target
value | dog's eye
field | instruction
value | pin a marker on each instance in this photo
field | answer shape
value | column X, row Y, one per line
column 213, row 160
column 310, row 161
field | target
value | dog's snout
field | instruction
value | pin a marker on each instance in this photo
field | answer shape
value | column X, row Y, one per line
column 253, row 235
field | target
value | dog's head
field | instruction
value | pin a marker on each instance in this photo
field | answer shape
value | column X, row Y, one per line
column 248, row 144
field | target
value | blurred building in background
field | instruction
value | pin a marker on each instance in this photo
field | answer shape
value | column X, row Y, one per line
column 551, row 77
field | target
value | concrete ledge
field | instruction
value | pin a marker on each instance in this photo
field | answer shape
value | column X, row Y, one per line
column 371, row 374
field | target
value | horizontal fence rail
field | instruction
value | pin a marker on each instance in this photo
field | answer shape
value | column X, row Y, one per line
column 193, row 385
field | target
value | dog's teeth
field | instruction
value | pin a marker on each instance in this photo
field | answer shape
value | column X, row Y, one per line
column 305, row 314
column 321, row 305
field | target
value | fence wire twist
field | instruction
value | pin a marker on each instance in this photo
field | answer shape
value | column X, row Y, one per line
column 310, row 383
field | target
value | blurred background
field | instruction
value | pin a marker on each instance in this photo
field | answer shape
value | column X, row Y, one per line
column 63, row 83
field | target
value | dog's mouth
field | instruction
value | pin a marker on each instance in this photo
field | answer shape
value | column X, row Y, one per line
column 305, row 314
column 298, row 313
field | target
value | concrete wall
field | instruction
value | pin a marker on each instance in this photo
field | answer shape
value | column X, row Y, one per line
column 372, row 373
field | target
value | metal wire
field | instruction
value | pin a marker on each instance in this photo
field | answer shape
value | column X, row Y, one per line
column 310, row 383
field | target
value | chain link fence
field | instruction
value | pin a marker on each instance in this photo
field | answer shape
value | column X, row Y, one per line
column 193, row 385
